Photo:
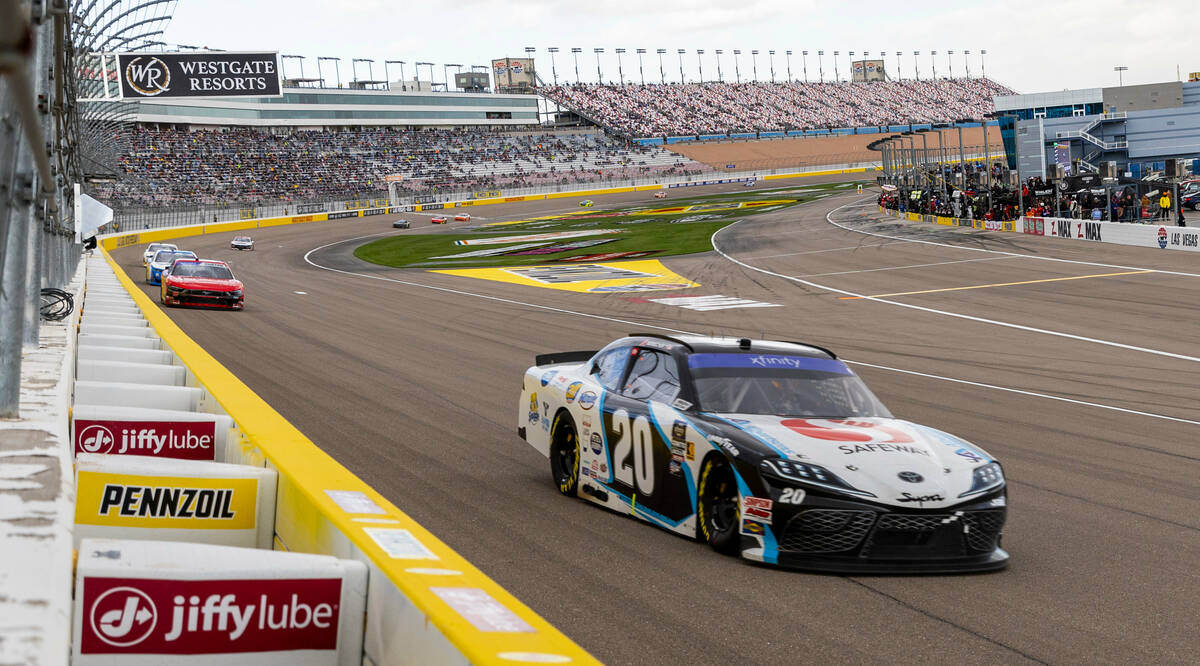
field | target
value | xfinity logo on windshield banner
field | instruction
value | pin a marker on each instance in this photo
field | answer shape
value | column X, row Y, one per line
column 151, row 616
column 202, row 74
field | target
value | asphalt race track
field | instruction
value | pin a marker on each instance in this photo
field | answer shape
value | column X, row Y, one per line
column 1082, row 380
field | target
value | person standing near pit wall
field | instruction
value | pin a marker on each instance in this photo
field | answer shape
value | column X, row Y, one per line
column 1164, row 206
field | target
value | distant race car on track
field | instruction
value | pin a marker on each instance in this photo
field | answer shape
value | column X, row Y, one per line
column 749, row 183
column 161, row 260
column 587, row 203
column 202, row 282
column 462, row 217
column 440, row 219
column 242, row 243
column 153, row 248
column 401, row 224
column 775, row 451
column 660, row 195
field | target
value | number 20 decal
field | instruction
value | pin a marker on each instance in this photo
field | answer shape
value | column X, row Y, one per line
column 638, row 439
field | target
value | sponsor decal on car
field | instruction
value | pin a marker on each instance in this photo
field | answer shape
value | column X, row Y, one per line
column 533, row 407
column 547, row 376
column 163, row 617
column 678, row 431
column 186, row 440
column 920, row 499
column 587, row 400
column 752, row 527
column 758, row 508
column 791, row 496
column 597, row 443
column 572, row 390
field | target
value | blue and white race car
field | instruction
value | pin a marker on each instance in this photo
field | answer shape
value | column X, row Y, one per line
column 775, row 451
column 163, row 259
column 154, row 248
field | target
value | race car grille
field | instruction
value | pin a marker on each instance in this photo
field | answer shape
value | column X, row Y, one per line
column 826, row 531
column 984, row 529
column 904, row 536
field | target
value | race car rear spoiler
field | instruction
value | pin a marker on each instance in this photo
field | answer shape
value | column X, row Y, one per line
column 563, row 357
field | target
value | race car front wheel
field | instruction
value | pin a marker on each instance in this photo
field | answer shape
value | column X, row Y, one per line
column 564, row 454
column 717, row 512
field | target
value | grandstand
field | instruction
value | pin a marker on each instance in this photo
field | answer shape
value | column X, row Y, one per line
column 171, row 167
column 651, row 110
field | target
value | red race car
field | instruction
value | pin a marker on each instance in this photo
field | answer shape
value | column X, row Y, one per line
column 202, row 282
column 440, row 219
column 462, row 217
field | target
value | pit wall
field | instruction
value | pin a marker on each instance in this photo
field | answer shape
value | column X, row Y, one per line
column 1157, row 236
column 425, row 602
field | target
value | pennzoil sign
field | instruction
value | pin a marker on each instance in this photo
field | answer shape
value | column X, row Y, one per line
column 201, row 74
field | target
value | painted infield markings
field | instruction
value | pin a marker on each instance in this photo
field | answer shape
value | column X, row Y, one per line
column 592, row 278
column 997, row 284
column 715, row 302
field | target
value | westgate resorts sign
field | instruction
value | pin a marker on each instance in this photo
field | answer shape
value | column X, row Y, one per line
column 201, row 74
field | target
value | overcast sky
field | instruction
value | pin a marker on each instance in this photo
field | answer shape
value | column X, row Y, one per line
column 1032, row 45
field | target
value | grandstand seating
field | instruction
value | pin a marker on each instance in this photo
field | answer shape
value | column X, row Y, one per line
column 717, row 108
column 176, row 167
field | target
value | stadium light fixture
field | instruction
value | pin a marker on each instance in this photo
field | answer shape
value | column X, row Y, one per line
column 950, row 62
column 789, row 65
column 771, row 57
column 851, row 53
column 916, row 65
column 719, row 52
column 700, row 63
column 754, row 63
column 575, row 50
column 661, row 72
column 385, row 72
column 933, row 63
column 982, row 65
column 737, row 72
column 620, row 66
column 445, row 73
column 967, row 62
column 599, row 77
column 836, row 75
column 821, row 65
column 899, row 77
column 641, row 71
column 337, row 68
column 1120, row 70
column 418, row 65
column 285, row 58
column 680, row 52
column 553, row 70
column 804, row 64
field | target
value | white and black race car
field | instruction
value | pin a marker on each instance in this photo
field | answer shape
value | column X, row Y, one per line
column 775, row 451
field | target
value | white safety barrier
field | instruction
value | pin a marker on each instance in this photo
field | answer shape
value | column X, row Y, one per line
column 142, row 602
column 1164, row 237
column 138, row 497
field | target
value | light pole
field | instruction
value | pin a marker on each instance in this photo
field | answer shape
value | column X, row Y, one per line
column 417, row 66
column 950, row 62
column 771, row 59
column 446, row 76
column 529, row 51
column 967, row 62
column 599, row 77
column 789, row 65
column 821, row 65
column 680, row 53
column 388, row 76
column 575, row 53
column 553, row 70
column 337, row 69
column 1120, row 69
column 354, row 68
column 836, row 75
column 917, row 65
column 719, row 53
column 285, row 58
column 754, row 63
column 804, row 64
column 641, row 71
column 620, row 67
column 933, row 63
column 737, row 73
column 982, row 64
column 851, row 53
column 662, row 74
column 898, row 53
column 700, row 63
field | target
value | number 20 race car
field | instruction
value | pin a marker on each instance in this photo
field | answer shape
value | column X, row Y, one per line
column 775, row 451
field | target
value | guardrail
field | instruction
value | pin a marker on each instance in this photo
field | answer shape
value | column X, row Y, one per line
column 425, row 603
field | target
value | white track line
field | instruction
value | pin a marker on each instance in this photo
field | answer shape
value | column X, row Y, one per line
column 900, row 268
column 946, row 313
column 536, row 306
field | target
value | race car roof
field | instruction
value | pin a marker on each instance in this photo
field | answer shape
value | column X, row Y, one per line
column 706, row 344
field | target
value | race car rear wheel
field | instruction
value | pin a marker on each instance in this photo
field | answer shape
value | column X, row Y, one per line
column 718, row 514
column 564, row 454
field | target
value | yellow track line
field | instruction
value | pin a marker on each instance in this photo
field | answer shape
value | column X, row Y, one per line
column 998, row 284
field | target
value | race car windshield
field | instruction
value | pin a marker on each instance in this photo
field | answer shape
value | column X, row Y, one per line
column 781, row 385
column 210, row 271
column 165, row 256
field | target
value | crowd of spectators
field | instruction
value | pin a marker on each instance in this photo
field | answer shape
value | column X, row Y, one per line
column 710, row 108
column 169, row 167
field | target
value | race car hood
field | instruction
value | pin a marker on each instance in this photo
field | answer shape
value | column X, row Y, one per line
column 207, row 284
column 899, row 462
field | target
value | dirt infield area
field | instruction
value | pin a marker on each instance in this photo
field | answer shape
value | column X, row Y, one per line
column 807, row 152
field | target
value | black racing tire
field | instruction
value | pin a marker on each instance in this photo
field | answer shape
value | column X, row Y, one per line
column 564, row 454
column 718, row 514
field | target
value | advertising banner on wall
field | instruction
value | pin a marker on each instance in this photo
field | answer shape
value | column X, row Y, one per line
column 199, row 74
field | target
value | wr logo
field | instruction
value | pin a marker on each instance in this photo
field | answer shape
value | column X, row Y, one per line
column 123, row 616
column 148, row 78
column 96, row 439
